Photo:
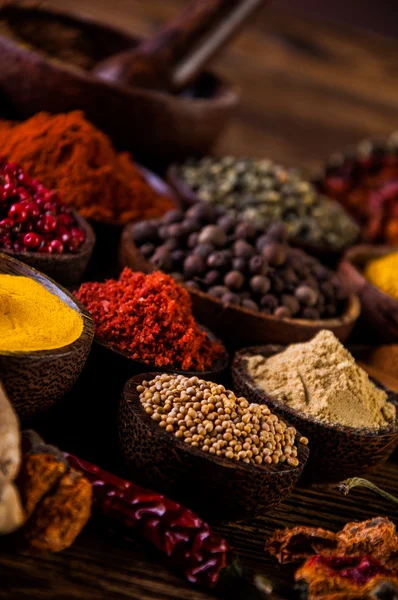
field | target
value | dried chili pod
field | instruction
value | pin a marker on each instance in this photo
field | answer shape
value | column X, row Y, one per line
column 185, row 540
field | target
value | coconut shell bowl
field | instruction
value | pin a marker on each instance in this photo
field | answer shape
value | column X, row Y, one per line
column 336, row 452
column 215, row 486
column 67, row 268
column 379, row 315
column 35, row 381
column 175, row 125
column 248, row 327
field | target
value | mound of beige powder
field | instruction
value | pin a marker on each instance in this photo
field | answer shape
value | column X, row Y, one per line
column 321, row 379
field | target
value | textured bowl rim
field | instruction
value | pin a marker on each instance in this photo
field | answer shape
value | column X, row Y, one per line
column 168, row 438
column 87, row 334
column 238, row 363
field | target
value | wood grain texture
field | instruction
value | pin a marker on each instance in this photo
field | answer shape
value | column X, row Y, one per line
column 308, row 89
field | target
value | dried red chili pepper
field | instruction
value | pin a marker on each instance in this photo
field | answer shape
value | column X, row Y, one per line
column 186, row 540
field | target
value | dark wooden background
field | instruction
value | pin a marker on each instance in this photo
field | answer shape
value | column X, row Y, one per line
column 308, row 89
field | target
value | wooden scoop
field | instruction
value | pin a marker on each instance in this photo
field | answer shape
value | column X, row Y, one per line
column 180, row 50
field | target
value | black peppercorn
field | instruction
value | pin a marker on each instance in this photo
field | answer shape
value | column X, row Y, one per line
column 173, row 216
column 162, row 259
column 260, row 284
column 203, row 250
column 258, row 265
column 239, row 264
column 306, row 295
column 192, row 240
column 245, row 231
column 194, row 265
column 193, row 285
column 250, row 304
column 234, row 280
column 212, row 278
column 144, row 231
column 275, row 254
column 269, row 302
column 217, row 291
column 227, row 223
column 213, row 234
column 242, row 249
column 217, row 260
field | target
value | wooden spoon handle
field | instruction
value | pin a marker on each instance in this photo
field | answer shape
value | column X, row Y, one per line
column 212, row 42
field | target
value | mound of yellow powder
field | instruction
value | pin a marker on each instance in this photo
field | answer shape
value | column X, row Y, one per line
column 31, row 318
column 321, row 379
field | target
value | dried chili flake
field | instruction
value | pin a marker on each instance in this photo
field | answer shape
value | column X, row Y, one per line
column 345, row 578
column 150, row 318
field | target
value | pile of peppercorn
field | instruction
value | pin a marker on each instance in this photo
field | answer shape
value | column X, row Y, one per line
column 237, row 263
column 32, row 217
column 263, row 192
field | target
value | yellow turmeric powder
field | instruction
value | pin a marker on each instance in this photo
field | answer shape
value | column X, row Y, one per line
column 383, row 273
column 32, row 318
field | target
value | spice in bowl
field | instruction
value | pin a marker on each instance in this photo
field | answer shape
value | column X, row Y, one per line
column 207, row 416
column 382, row 272
column 66, row 152
column 32, row 318
column 33, row 218
column 365, row 182
column 321, row 379
column 264, row 192
column 149, row 317
column 241, row 264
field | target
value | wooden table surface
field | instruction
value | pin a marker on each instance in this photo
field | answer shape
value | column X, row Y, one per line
column 308, row 89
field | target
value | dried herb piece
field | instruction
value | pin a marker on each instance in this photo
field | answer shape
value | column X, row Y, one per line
column 346, row 486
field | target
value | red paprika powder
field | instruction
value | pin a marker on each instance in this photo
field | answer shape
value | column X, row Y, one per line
column 150, row 318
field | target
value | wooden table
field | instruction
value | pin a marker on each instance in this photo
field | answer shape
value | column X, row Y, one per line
column 307, row 90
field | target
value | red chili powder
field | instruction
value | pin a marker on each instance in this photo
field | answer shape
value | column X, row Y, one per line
column 150, row 318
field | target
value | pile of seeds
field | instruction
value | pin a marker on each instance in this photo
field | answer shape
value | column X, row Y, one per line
column 207, row 416
column 240, row 264
column 263, row 192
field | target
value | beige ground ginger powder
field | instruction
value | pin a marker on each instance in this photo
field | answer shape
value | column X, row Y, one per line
column 321, row 379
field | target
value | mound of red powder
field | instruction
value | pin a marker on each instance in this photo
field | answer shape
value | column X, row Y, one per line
column 150, row 318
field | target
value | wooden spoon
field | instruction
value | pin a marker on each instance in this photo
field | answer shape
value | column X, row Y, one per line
column 180, row 50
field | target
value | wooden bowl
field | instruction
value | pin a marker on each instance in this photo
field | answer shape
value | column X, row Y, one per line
column 67, row 269
column 104, row 262
column 336, row 452
column 379, row 316
column 215, row 486
column 35, row 381
column 187, row 198
column 248, row 327
column 157, row 127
